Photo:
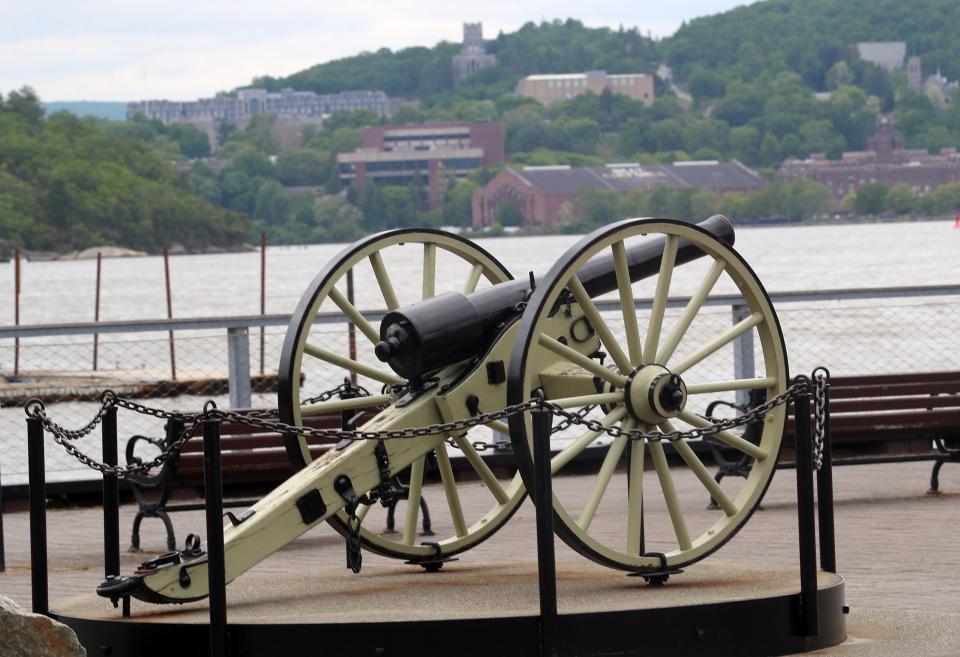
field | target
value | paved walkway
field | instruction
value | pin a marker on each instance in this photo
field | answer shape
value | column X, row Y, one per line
column 896, row 546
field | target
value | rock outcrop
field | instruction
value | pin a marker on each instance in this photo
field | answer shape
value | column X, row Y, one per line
column 23, row 634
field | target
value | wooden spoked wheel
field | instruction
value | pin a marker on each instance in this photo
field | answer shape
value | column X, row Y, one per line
column 391, row 269
column 665, row 360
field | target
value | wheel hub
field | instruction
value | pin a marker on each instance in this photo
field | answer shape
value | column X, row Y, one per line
column 654, row 394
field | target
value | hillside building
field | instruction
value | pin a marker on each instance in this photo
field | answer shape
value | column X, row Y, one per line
column 434, row 153
column 555, row 87
column 887, row 55
column 473, row 55
column 293, row 109
column 886, row 161
column 539, row 192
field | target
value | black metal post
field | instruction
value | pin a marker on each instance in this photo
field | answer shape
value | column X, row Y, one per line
column 809, row 624
column 3, row 556
column 828, row 545
column 216, row 573
column 111, row 496
column 38, row 516
column 546, row 558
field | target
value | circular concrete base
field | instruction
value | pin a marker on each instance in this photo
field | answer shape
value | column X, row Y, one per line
column 489, row 610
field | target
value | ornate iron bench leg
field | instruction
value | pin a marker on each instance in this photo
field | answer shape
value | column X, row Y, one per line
column 427, row 530
column 171, row 537
column 425, row 523
column 935, row 477
column 135, row 534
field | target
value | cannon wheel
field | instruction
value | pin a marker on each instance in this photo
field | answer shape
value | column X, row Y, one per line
column 303, row 361
column 673, row 531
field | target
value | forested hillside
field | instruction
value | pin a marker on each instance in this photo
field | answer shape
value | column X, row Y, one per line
column 68, row 183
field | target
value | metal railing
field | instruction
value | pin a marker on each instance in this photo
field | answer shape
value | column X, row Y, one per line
column 858, row 331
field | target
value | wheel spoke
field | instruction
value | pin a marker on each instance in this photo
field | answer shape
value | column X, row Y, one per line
column 624, row 285
column 413, row 501
column 482, row 469
column 725, row 386
column 497, row 425
column 351, row 312
column 670, row 495
column 728, row 437
column 383, row 280
column 690, row 312
column 473, row 279
column 699, row 469
column 352, row 365
column 450, row 488
column 635, row 495
column 570, row 452
column 589, row 400
column 724, row 339
column 614, row 452
column 337, row 405
column 429, row 270
column 577, row 358
column 362, row 511
column 598, row 323
column 667, row 262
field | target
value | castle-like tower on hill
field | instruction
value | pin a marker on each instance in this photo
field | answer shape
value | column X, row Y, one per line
column 473, row 55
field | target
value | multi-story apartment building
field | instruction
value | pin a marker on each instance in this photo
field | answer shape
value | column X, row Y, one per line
column 555, row 87
column 436, row 153
column 886, row 161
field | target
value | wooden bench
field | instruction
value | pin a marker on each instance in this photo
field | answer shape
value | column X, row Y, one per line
column 249, row 455
column 879, row 418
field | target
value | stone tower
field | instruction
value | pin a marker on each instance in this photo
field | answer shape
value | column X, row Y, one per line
column 473, row 55
column 914, row 74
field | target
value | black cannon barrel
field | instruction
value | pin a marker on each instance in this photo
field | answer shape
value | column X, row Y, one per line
column 431, row 334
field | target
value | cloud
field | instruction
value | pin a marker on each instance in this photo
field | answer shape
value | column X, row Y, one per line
column 123, row 50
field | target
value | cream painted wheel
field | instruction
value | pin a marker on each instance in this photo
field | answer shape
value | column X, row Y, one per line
column 681, row 328
column 391, row 269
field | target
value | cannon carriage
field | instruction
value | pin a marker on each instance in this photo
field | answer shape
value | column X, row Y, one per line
column 622, row 384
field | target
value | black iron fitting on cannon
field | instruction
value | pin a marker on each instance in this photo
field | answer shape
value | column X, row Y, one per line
column 429, row 335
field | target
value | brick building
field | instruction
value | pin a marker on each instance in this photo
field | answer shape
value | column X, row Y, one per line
column 886, row 161
column 434, row 152
column 539, row 192
column 556, row 87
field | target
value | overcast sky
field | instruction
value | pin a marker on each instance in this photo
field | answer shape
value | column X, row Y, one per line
column 137, row 49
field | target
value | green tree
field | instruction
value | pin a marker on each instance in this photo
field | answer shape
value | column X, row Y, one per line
column 458, row 203
column 298, row 167
column 272, row 204
column 871, row 198
column 508, row 213
column 901, row 199
column 399, row 206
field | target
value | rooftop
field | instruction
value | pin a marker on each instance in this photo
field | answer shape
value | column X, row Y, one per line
column 627, row 176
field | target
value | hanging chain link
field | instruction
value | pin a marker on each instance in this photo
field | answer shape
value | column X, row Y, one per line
column 266, row 420
column 819, row 415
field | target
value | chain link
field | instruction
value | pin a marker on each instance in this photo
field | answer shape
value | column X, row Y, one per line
column 819, row 413
column 266, row 420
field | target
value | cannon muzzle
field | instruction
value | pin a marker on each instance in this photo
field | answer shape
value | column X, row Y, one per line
column 434, row 333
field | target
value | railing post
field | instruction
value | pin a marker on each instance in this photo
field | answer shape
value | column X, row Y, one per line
column 38, row 516
column 111, row 496
column 809, row 624
column 3, row 556
column 238, row 356
column 216, row 569
column 546, row 557
column 743, row 365
column 828, row 547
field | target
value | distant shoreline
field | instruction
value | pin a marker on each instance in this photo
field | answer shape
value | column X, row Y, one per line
column 123, row 252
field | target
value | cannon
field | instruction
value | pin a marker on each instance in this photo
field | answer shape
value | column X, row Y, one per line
column 613, row 335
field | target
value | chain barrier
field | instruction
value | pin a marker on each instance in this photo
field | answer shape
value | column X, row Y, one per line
column 266, row 420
